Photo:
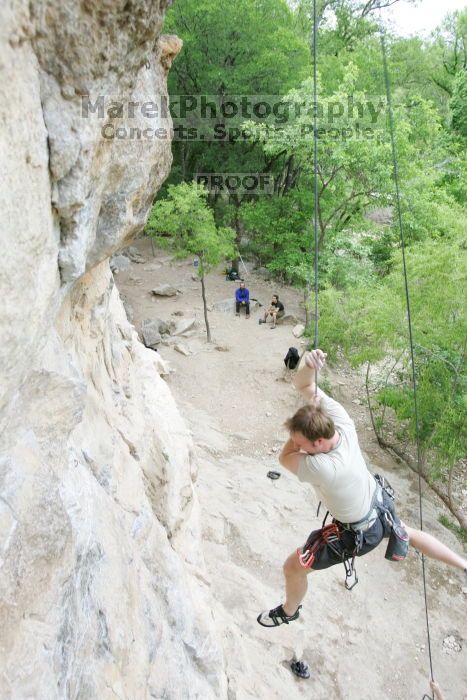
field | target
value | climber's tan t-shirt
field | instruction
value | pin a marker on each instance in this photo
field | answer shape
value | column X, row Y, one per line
column 340, row 477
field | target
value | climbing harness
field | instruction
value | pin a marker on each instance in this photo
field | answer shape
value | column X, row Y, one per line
column 332, row 535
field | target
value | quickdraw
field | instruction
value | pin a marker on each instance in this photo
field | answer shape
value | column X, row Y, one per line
column 328, row 534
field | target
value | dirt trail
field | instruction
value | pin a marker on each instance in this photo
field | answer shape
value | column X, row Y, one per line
column 235, row 395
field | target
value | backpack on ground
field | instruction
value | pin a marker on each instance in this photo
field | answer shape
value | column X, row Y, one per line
column 232, row 275
column 292, row 358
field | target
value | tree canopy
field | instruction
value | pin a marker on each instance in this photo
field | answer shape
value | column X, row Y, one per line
column 261, row 50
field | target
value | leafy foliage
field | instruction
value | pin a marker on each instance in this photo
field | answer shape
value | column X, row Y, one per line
column 185, row 224
column 263, row 47
column 371, row 324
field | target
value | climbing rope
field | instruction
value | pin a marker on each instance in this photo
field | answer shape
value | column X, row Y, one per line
column 314, row 52
column 315, row 166
column 409, row 317
column 404, row 265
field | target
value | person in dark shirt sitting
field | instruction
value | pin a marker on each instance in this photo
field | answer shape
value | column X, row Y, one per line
column 276, row 310
column 242, row 298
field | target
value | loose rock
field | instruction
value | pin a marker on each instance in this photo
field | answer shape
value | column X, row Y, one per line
column 134, row 255
column 119, row 263
column 298, row 330
column 164, row 290
column 451, row 645
column 156, row 324
column 182, row 349
column 150, row 334
column 184, row 325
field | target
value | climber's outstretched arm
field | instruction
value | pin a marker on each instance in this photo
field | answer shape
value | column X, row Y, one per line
column 304, row 381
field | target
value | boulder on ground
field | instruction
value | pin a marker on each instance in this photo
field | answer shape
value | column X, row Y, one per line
column 182, row 349
column 133, row 254
column 157, row 324
column 119, row 263
column 183, row 325
column 225, row 305
column 164, row 290
column 150, row 333
column 298, row 330
column 228, row 305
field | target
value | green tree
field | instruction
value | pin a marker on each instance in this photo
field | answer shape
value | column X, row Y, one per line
column 458, row 104
column 184, row 223
column 234, row 49
column 354, row 154
column 450, row 45
column 370, row 327
column 342, row 22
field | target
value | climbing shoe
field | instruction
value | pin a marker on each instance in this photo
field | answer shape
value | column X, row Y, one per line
column 276, row 617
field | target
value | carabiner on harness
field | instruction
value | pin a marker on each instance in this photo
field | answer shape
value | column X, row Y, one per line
column 328, row 535
column 385, row 485
column 349, row 572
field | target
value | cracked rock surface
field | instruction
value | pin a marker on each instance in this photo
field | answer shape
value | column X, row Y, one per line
column 102, row 579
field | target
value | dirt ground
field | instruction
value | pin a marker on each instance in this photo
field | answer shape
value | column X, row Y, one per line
column 235, row 395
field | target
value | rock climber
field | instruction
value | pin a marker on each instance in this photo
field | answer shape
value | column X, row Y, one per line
column 323, row 449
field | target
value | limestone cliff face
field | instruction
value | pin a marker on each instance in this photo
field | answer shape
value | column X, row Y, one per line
column 102, row 590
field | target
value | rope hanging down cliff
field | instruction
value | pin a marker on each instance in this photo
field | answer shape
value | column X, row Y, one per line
column 402, row 242
column 387, row 84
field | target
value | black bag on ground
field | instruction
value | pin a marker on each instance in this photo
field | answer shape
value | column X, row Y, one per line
column 232, row 275
column 292, row 358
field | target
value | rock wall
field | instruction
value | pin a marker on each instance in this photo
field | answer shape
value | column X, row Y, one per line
column 102, row 582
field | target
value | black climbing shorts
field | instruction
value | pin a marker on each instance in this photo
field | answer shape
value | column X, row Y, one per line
column 331, row 554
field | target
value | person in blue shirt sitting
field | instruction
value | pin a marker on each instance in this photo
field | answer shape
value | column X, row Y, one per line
column 242, row 298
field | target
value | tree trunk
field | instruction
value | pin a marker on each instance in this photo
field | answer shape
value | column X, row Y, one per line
column 238, row 231
column 205, row 309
